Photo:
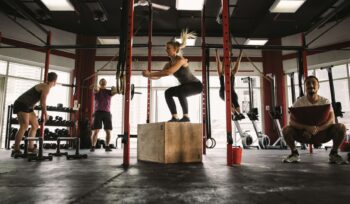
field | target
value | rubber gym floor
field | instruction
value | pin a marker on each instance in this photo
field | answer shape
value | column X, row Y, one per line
column 261, row 178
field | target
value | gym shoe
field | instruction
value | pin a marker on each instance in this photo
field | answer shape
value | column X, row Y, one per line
column 33, row 151
column 184, row 119
column 173, row 120
column 16, row 152
column 108, row 149
column 293, row 158
column 92, row 149
column 241, row 116
column 336, row 159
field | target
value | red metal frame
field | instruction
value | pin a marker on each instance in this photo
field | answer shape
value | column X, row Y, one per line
column 46, row 71
column 204, row 81
column 227, row 62
column 126, row 158
column 304, row 62
column 149, row 65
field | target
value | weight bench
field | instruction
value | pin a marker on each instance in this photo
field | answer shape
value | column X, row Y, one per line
column 122, row 136
column 77, row 155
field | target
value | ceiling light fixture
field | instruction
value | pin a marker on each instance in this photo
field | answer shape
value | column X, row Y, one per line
column 58, row 5
column 286, row 6
column 193, row 5
column 255, row 41
column 108, row 40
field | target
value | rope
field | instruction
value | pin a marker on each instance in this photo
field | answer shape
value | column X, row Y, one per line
column 250, row 60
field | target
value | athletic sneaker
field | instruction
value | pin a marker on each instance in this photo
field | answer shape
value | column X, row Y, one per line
column 173, row 120
column 336, row 159
column 108, row 149
column 184, row 119
column 33, row 151
column 16, row 152
column 92, row 149
column 240, row 116
column 293, row 158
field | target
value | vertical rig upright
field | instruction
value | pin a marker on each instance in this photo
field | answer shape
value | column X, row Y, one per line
column 126, row 157
column 149, row 61
column 303, row 66
column 46, row 71
column 204, row 81
column 227, row 62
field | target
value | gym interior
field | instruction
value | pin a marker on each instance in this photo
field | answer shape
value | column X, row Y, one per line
column 215, row 157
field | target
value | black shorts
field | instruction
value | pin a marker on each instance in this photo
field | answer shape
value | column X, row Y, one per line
column 21, row 107
column 102, row 117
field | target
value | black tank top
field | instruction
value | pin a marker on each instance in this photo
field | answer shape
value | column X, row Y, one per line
column 30, row 97
column 184, row 76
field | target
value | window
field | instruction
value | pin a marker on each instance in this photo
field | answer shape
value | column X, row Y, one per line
column 24, row 71
column 3, row 67
column 339, row 71
column 12, row 93
column 22, row 77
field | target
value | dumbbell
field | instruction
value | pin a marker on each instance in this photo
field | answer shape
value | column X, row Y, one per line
column 13, row 133
column 98, row 144
column 14, row 120
column 46, row 146
column 53, row 146
column 50, row 120
column 37, row 133
column 65, row 132
column 103, row 143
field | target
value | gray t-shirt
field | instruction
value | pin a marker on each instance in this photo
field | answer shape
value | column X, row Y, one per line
column 303, row 101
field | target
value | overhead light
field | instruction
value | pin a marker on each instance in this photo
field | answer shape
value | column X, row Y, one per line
column 189, row 42
column 108, row 40
column 286, row 6
column 255, row 41
column 58, row 5
column 193, row 5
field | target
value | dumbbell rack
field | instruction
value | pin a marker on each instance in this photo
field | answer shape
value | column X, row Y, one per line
column 11, row 121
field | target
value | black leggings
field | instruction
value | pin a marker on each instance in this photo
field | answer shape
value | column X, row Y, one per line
column 234, row 96
column 182, row 91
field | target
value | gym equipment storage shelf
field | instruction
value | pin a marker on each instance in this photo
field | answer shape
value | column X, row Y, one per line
column 48, row 136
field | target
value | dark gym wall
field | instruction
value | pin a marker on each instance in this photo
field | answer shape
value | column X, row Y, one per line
column 272, row 63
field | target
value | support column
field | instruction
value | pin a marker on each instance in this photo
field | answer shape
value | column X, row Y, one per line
column 46, row 71
column 204, row 81
column 85, row 67
column 149, row 62
column 272, row 63
column 126, row 155
column 227, row 63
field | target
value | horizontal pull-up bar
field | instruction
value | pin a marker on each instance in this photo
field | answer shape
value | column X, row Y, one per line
column 248, row 47
column 210, row 46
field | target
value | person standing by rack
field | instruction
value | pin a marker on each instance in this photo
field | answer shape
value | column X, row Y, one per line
column 24, row 108
column 102, row 113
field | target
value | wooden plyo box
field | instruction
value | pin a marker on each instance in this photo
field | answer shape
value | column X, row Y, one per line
column 169, row 142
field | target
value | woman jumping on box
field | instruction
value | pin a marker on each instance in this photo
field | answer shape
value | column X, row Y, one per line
column 178, row 66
